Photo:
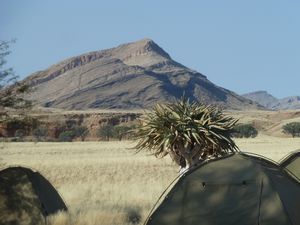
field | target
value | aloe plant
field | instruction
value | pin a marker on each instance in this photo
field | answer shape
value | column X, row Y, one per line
column 187, row 132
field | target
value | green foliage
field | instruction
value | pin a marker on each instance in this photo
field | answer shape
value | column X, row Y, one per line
column 105, row 132
column 82, row 132
column 120, row 131
column 10, row 90
column 244, row 131
column 40, row 133
column 292, row 128
column 67, row 125
column 20, row 134
column 20, row 123
column 67, row 136
column 188, row 132
column 7, row 75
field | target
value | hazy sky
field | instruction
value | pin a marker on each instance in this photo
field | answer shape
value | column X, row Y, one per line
column 241, row 45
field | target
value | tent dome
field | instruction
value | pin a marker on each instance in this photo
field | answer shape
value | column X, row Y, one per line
column 26, row 197
column 292, row 163
column 237, row 189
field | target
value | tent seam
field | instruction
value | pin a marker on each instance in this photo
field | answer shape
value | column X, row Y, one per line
column 260, row 197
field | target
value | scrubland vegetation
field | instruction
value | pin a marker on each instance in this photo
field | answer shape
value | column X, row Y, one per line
column 106, row 182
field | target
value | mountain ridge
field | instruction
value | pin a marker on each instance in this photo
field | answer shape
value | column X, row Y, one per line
column 132, row 75
column 270, row 102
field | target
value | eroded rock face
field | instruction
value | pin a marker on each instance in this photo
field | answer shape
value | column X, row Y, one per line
column 130, row 76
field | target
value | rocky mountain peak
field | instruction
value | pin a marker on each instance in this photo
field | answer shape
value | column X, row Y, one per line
column 148, row 45
column 142, row 53
column 130, row 76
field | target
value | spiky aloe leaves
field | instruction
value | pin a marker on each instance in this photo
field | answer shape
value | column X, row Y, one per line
column 184, row 130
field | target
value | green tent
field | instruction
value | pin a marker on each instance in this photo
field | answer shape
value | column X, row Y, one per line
column 26, row 197
column 292, row 163
column 240, row 189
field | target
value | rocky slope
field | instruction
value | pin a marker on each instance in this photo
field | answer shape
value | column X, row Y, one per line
column 270, row 102
column 130, row 76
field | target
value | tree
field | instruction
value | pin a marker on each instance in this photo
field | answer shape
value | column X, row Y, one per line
column 188, row 132
column 25, row 123
column 244, row 131
column 120, row 131
column 10, row 89
column 66, row 136
column 81, row 132
column 105, row 132
column 20, row 134
column 292, row 128
column 40, row 133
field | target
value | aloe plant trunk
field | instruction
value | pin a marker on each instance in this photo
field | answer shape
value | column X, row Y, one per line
column 188, row 132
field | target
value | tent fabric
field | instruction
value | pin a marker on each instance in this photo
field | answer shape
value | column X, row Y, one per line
column 292, row 163
column 26, row 197
column 238, row 189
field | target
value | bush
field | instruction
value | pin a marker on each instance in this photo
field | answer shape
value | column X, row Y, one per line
column 119, row 132
column 105, row 132
column 40, row 133
column 26, row 124
column 292, row 128
column 81, row 132
column 66, row 136
column 19, row 135
column 244, row 131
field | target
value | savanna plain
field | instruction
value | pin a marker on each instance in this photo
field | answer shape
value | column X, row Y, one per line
column 108, row 183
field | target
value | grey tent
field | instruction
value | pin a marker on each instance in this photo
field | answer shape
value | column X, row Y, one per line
column 240, row 189
column 26, row 197
column 292, row 163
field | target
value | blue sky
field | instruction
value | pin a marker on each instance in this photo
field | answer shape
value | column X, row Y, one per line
column 241, row 45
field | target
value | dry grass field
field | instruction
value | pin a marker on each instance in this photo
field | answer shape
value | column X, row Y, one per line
column 267, row 122
column 106, row 182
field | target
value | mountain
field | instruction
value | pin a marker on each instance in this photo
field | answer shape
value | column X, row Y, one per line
column 292, row 102
column 130, row 76
column 263, row 98
column 270, row 102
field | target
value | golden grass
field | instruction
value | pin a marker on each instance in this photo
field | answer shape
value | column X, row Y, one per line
column 104, row 182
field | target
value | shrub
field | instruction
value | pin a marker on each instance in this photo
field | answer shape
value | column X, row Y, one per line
column 105, row 132
column 40, row 133
column 292, row 128
column 244, row 131
column 120, row 131
column 66, row 136
column 26, row 124
column 19, row 135
column 81, row 132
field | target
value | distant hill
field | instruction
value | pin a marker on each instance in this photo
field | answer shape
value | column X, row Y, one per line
column 263, row 98
column 292, row 102
column 270, row 102
column 131, row 76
